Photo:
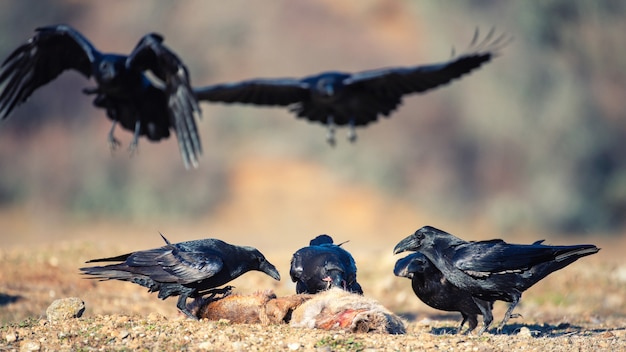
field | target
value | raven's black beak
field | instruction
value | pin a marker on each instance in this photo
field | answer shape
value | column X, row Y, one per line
column 401, row 269
column 408, row 244
column 270, row 270
column 337, row 280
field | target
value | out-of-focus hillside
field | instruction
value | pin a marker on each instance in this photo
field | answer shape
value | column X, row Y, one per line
column 530, row 142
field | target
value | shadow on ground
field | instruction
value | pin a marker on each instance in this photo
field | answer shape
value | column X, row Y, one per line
column 8, row 299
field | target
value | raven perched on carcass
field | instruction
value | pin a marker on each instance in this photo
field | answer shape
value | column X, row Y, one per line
column 122, row 87
column 187, row 269
column 323, row 265
column 491, row 270
column 432, row 288
column 352, row 99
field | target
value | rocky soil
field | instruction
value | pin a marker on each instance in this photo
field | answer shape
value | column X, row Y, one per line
column 582, row 307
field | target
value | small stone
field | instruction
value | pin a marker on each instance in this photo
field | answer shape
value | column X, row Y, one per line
column 525, row 332
column 156, row 317
column 28, row 346
column 123, row 334
column 206, row 345
column 65, row 308
column 293, row 346
column 11, row 337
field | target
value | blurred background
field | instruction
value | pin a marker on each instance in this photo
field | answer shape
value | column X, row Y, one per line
column 532, row 143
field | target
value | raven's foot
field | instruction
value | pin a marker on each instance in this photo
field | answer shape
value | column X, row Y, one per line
column 330, row 137
column 134, row 144
column 133, row 147
column 224, row 291
column 189, row 314
column 114, row 143
column 352, row 133
column 511, row 316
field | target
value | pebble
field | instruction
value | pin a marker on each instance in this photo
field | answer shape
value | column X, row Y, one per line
column 123, row 334
column 11, row 337
column 525, row 332
column 28, row 346
column 65, row 308
column 293, row 346
column 206, row 345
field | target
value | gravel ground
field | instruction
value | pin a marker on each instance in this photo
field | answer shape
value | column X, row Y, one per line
column 582, row 307
column 156, row 332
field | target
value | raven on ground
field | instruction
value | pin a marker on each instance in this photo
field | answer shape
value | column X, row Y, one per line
column 187, row 269
column 323, row 265
column 130, row 98
column 353, row 99
column 491, row 270
column 432, row 288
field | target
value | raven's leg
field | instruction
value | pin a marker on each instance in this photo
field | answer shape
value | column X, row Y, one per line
column 182, row 306
column 330, row 123
column 472, row 322
column 458, row 331
column 352, row 131
column 135, row 142
column 508, row 315
column 113, row 142
column 485, row 309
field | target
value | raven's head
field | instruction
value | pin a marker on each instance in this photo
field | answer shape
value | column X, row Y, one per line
column 326, row 86
column 415, row 241
column 411, row 264
column 426, row 237
column 267, row 267
column 321, row 239
column 335, row 278
column 109, row 68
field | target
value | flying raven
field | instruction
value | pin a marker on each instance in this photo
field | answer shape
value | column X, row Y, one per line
column 187, row 269
column 323, row 265
column 352, row 99
column 432, row 288
column 130, row 98
column 491, row 270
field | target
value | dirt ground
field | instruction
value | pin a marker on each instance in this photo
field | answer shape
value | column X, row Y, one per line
column 582, row 307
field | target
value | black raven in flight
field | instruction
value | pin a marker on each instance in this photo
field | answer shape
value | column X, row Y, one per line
column 323, row 265
column 352, row 99
column 491, row 270
column 187, row 269
column 129, row 97
column 432, row 288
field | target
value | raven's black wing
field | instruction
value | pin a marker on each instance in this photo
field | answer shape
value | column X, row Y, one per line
column 169, row 264
column 497, row 256
column 270, row 92
column 150, row 54
column 52, row 50
column 395, row 82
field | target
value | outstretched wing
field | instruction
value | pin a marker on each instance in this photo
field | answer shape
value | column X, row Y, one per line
column 151, row 55
column 270, row 92
column 395, row 82
column 52, row 50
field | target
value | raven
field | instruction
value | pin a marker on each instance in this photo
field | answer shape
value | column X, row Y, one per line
column 323, row 265
column 432, row 288
column 186, row 269
column 130, row 98
column 491, row 270
column 352, row 99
